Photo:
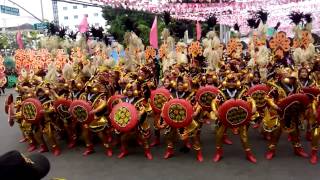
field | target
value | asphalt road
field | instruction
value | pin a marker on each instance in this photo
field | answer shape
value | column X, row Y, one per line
column 71, row 165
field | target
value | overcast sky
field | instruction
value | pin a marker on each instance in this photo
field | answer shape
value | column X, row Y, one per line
column 33, row 6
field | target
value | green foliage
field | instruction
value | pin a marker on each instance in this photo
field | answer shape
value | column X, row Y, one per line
column 123, row 20
column 4, row 41
column 8, row 41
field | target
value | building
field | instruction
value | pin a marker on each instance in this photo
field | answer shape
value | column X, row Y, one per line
column 70, row 15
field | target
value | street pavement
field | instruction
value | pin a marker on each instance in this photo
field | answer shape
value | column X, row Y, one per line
column 71, row 165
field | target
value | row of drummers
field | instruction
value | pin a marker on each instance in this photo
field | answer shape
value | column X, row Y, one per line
column 117, row 110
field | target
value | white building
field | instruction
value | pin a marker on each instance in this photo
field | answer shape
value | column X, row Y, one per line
column 70, row 15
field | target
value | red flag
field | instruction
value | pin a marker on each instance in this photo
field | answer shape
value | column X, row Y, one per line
column 83, row 26
column 198, row 29
column 19, row 40
column 153, row 38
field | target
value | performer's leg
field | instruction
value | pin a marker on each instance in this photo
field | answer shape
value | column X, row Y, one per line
column 87, row 139
column 243, row 130
column 124, row 145
column 170, row 137
column 156, row 124
column 106, row 144
column 315, row 136
column 295, row 139
column 50, row 134
column 38, row 135
column 197, row 146
column 72, row 137
column 24, row 138
column 26, row 129
column 274, row 139
column 219, row 143
column 145, row 143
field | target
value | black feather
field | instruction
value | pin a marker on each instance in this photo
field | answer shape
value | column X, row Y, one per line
column 257, row 23
column 308, row 18
column 296, row 17
column 236, row 27
column 263, row 16
column 97, row 33
column 129, row 23
column 62, row 32
column 167, row 18
column 106, row 40
column 277, row 26
column 251, row 23
column 53, row 29
column 147, row 92
column 212, row 21
column 73, row 35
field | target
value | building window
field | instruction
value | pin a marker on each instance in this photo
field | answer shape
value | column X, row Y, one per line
column 66, row 18
column 96, row 14
column 65, row 8
column 75, row 7
column 85, row 6
column 75, row 17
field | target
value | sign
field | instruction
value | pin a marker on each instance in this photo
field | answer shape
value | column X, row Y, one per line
column 41, row 26
column 9, row 10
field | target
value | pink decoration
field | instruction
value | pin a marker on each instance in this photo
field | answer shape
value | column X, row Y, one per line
column 229, row 13
column 84, row 26
column 154, row 34
column 19, row 40
column 198, row 29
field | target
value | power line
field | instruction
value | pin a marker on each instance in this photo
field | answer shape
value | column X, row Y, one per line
column 25, row 10
column 80, row 3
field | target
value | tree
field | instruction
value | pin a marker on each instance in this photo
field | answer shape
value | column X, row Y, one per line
column 4, row 41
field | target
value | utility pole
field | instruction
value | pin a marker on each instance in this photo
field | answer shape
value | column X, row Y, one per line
column 221, row 29
column 41, row 3
column 55, row 11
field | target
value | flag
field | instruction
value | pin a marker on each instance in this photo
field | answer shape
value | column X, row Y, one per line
column 198, row 29
column 153, row 38
column 19, row 40
column 83, row 26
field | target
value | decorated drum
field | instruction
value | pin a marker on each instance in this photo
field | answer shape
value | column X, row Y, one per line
column 124, row 117
column 293, row 104
column 62, row 107
column 80, row 110
column 205, row 95
column 258, row 93
column 177, row 113
column 158, row 98
column 235, row 113
column 113, row 101
column 311, row 91
column 32, row 110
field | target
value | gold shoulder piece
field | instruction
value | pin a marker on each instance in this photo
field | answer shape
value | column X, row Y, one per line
column 245, row 88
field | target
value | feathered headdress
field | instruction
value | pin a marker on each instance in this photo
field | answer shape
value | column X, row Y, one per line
column 296, row 17
column 211, row 22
